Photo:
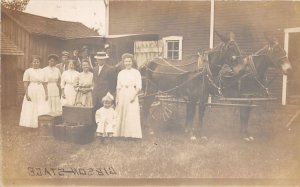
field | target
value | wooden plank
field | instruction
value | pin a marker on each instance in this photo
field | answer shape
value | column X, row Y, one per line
column 231, row 105
column 247, row 99
column 211, row 104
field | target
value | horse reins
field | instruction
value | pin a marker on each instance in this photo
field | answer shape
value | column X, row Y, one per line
column 205, row 70
column 174, row 88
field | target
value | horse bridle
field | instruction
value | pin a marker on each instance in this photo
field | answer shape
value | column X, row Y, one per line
column 208, row 72
column 253, row 70
column 271, row 51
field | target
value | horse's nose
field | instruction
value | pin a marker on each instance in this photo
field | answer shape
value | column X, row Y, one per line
column 286, row 67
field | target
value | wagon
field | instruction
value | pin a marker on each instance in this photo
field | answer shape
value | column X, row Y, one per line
column 114, row 45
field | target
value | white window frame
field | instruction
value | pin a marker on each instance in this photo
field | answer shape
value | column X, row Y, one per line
column 172, row 38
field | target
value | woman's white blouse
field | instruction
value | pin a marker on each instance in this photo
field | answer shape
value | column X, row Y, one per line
column 69, row 77
column 35, row 75
column 129, row 78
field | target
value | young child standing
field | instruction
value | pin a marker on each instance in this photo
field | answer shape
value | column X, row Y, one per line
column 106, row 117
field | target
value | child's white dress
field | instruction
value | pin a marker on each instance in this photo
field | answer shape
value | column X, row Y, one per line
column 106, row 120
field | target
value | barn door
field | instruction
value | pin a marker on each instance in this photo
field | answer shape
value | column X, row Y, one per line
column 147, row 50
column 8, row 81
column 294, row 77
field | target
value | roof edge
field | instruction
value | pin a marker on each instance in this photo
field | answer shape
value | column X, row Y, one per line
column 6, row 12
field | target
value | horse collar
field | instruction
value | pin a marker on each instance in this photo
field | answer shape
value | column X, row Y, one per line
column 252, row 66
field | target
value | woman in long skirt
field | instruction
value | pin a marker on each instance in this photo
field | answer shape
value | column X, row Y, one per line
column 84, row 87
column 129, row 85
column 68, row 81
column 36, row 95
column 53, row 76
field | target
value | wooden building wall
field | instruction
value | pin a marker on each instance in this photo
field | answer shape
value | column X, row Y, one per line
column 31, row 45
column 187, row 19
column 191, row 19
column 9, row 80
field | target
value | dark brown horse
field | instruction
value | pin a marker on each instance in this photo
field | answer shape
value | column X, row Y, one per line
column 248, row 77
column 187, row 80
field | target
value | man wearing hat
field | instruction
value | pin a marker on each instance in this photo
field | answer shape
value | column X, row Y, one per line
column 104, row 79
column 76, row 60
column 62, row 66
column 86, row 56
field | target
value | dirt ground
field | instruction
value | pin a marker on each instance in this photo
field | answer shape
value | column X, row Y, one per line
column 169, row 154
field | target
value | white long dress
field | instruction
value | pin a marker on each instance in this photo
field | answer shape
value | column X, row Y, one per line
column 38, row 105
column 68, row 81
column 53, row 76
column 128, row 114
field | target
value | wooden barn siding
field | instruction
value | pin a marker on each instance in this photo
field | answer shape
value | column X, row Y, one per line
column 248, row 20
column 187, row 19
column 31, row 45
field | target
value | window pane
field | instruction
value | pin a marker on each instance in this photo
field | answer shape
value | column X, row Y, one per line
column 176, row 45
column 170, row 54
column 175, row 55
column 170, row 45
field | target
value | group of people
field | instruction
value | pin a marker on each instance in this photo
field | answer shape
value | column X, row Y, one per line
column 112, row 94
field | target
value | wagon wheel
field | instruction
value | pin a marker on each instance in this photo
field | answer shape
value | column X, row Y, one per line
column 163, row 111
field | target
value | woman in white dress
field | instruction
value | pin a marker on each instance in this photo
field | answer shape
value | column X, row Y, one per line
column 53, row 75
column 129, row 85
column 84, row 86
column 68, row 81
column 36, row 95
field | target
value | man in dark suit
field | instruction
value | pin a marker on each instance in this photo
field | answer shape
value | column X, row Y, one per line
column 104, row 79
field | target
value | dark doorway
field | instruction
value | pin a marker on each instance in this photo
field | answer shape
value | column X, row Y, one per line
column 8, row 80
column 294, row 57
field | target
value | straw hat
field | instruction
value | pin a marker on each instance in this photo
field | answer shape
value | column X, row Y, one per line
column 101, row 55
column 65, row 53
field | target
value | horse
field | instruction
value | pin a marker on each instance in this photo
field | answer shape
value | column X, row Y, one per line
column 247, row 78
column 190, row 81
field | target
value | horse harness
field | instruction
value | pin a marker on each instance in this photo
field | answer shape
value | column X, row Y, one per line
column 252, row 69
column 205, row 70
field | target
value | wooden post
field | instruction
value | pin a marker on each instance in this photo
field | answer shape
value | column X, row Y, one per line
column 212, row 19
column 106, row 3
column 211, row 35
column 284, row 78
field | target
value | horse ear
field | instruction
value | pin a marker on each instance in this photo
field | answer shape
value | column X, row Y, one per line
column 231, row 35
column 268, row 37
column 223, row 38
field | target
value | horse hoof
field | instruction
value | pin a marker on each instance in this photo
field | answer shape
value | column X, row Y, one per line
column 193, row 138
column 251, row 138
